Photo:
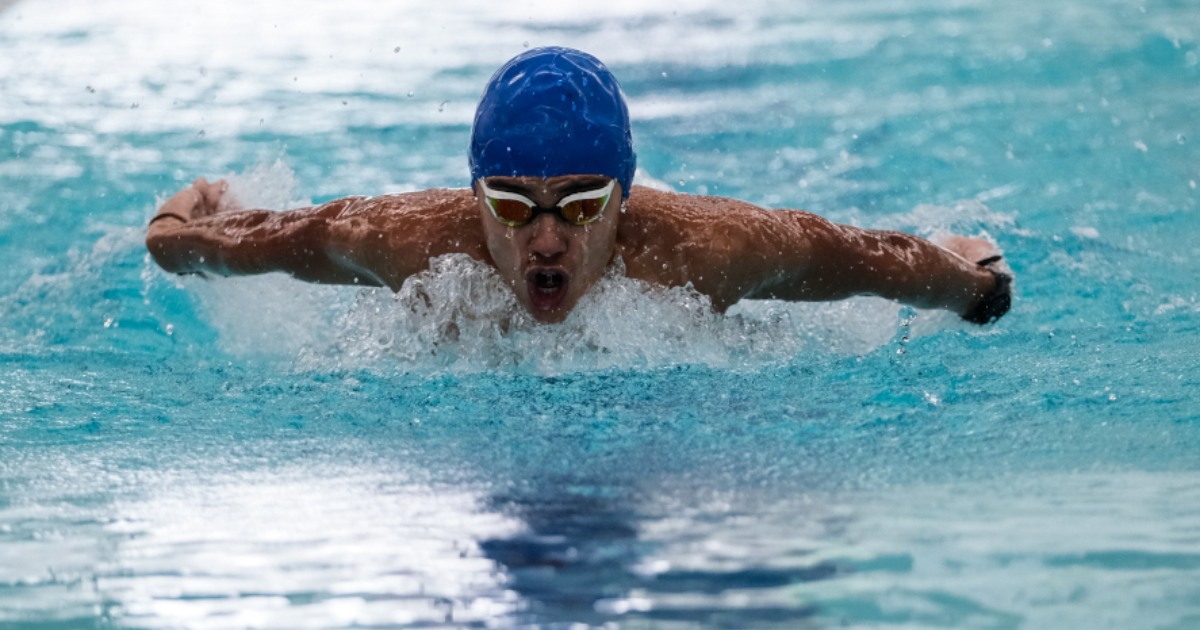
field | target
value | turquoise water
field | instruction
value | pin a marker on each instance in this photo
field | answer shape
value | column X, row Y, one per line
column 264, row 453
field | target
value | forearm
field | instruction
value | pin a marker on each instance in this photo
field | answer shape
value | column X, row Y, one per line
column 836, row 261
column 253, row 242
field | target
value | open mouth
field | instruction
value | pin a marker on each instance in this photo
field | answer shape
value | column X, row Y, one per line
column 547, row 288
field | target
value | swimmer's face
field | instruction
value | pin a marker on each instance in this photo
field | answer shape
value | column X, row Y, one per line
column 549, row 262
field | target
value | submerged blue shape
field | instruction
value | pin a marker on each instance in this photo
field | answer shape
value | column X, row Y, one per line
column 553, row 111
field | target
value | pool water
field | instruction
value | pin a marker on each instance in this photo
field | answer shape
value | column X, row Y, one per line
column 259, row 452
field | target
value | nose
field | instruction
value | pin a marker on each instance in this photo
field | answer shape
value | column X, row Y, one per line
column 549, row 237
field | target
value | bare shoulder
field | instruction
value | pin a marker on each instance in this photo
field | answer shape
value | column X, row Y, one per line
column 396, row 235
column 655, row 219
column 675, row 239
column 427, row 206
column 723, row 247
column 649, row 210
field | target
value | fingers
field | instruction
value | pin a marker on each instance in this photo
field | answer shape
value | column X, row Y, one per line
column 213, row 193
column 970, row 248
column 208, row 196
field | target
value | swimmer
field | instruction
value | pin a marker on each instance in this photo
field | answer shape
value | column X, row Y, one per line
column 552, row 205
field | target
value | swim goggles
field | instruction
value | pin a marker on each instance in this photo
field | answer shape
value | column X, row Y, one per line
column 514, row 209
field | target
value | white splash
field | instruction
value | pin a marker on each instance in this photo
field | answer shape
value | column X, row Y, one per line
column 459, row 316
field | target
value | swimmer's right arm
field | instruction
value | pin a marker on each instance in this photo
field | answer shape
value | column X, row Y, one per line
column 376, row 241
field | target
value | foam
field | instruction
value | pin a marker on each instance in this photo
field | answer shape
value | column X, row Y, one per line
column 459, row 316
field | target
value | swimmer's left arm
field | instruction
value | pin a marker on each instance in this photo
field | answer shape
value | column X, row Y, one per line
column 816, row 259
column 730, row 250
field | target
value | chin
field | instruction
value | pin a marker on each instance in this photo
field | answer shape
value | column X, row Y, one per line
column 554, row 316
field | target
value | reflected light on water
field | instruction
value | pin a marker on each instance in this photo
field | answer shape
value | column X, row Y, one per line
column 305, row 549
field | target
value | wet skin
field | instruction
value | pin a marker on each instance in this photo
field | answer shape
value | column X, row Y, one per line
column 725, row 249
column 550, row 263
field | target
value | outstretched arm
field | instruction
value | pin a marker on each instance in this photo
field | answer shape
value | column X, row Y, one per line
column 376, row 241
column 826, row 261
column 732, row 250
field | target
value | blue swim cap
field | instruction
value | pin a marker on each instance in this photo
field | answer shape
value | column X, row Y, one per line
column 553, row 111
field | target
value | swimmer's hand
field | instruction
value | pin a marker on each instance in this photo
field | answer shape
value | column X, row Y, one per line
column 968, row 247
column 998, row 299
column 201, row 199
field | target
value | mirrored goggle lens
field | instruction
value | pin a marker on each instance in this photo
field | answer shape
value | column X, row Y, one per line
column 510, row 211
column 581, row 211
